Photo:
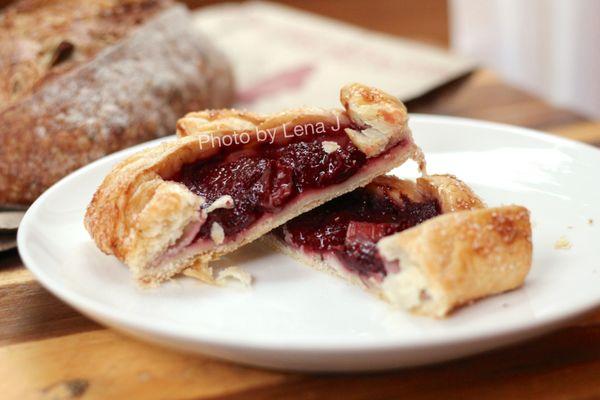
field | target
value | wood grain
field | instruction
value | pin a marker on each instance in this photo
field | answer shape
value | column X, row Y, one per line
column 482, row 95
column 29, row 312
column 588, row 132
column 104, row 364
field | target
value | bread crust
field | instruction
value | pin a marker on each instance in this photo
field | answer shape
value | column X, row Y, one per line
column 42, row 39
column 122, row 205
column 467, row 252
column 129, row 92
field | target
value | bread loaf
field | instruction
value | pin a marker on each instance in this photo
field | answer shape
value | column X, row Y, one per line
column 80, row 79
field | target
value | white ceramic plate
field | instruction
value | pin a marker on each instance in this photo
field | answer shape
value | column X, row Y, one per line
column 296, row 318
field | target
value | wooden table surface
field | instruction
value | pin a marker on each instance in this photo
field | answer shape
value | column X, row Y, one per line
column 50, row 351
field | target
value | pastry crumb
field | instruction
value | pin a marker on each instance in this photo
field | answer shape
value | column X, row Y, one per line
column 216, row 233
column 225, row 201
column 235, row 273
column 562, row 244
column 329, row 147
column 200, row 271
column 206, row 274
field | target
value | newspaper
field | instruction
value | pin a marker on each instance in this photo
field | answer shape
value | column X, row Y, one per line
column 285, row 58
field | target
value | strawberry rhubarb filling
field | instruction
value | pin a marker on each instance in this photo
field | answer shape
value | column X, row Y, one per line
column 349, row 227
column 263, row 180
column 246, row 183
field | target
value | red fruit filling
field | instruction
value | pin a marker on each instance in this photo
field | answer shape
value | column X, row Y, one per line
column 264, row 177
column 350, row 226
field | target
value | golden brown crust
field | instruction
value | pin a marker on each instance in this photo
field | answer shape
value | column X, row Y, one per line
column 466, row 253
column 373, row 120
column 376, row 114
column 152, row 71
column 218, row 122
column 122, row 203
column 463, row 256
column 130, row 186
column 451, row 193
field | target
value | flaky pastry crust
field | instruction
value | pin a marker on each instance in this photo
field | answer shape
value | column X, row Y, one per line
column 467, row 252
column 146, row 220
column 378, row 120
column 459, row 257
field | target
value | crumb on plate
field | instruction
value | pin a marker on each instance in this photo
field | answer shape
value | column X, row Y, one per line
column 329, row 147
column 219, row 277
column 562, row 244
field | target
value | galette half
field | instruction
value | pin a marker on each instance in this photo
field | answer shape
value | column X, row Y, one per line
column 427, row 246
column 233, row 176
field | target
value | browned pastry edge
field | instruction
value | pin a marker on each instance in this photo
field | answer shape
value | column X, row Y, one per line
column 450, row 192
column 136, row 215
column 130, row 92
column 379, row 120
column 466, row 253
column 459, row 257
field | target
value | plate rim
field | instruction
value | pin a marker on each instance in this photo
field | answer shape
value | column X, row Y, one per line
column 118, row 318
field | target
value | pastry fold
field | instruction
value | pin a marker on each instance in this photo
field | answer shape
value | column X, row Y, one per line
column 466, row 252
column 456, row 258
column 149, row 220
